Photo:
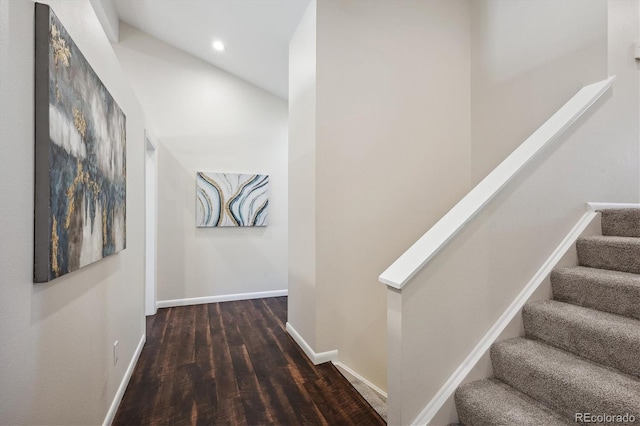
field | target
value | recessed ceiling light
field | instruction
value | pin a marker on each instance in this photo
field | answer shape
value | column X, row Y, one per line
column 218, row 45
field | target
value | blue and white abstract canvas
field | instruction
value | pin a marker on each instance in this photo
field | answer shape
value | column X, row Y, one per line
column 80, row 157
column 231, row 199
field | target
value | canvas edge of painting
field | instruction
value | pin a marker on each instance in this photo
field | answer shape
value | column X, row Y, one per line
column 42, row 203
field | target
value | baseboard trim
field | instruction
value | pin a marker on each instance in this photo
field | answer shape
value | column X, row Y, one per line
column 432, row 408
column 373, row 387
column 611, row 206
column 316, row 358
column 222, row 298
column 113, row 409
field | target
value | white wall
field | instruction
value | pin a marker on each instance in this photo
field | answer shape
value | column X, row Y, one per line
column 390, row 154
column 56, row 338
column 302, row 177
column 528, row 58
column 208, row 120
column 449, row 306
column 623, row 32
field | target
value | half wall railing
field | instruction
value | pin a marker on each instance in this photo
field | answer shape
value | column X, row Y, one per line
column 422, row 251
column 458, row 288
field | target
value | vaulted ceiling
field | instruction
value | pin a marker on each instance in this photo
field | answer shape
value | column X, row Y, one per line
column 256, row 33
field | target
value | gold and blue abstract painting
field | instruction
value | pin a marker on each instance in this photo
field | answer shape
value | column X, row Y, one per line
column 231, row 199
column 80, row 164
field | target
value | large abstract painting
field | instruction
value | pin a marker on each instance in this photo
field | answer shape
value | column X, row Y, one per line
column 231, row 199
column 80, row 167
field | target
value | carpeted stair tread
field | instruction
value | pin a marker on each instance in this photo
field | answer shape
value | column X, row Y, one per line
column 605, row 338
column 562, row 381
column 621, row 222
column 581, row 353
column 601, row 289
column 490, row 402
column 613, row 253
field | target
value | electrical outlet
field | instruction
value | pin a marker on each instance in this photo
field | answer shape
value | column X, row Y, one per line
column 115, row 352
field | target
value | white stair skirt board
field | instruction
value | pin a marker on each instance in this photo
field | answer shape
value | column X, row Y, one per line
column 113, row 409
column 373, row 387
column 612, row 206
column 316, row 358
column 222, row 298
column 447, row 390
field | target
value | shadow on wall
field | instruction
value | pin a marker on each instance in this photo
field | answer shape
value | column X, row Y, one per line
column 173, row 212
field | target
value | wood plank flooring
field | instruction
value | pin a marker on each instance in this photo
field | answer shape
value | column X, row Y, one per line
column 232, row 363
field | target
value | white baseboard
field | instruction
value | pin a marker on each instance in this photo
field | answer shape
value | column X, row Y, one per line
column 329, row 356
column 373, row 387
column 222, row 298
column 611, row 206
column 316, row 358
column 113, row 409
column 432, row 408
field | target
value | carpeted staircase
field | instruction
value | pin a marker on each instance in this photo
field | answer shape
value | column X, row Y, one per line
column 581, row 350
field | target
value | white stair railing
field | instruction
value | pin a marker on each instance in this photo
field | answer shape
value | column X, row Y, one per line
column 422, row 251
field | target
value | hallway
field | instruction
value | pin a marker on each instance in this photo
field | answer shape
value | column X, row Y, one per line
column 233, row 363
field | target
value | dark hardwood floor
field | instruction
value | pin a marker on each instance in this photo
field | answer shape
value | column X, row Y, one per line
column 232, row 363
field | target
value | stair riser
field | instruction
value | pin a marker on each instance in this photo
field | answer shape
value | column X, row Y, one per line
column 468, row 413
column 567, row 395
column 490, row 403
column 614, row 257
column 622, row 223
column 614, row 346
column 581, row 353
column 606, row 295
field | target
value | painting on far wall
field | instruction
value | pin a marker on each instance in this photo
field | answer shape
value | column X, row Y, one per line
column 80, row 164
column 231, row 199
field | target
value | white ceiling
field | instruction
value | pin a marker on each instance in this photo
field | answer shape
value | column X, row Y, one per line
column 256, row 33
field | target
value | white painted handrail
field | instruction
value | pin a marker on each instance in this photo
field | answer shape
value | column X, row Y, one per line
column 423, row 250
column 594, row 207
